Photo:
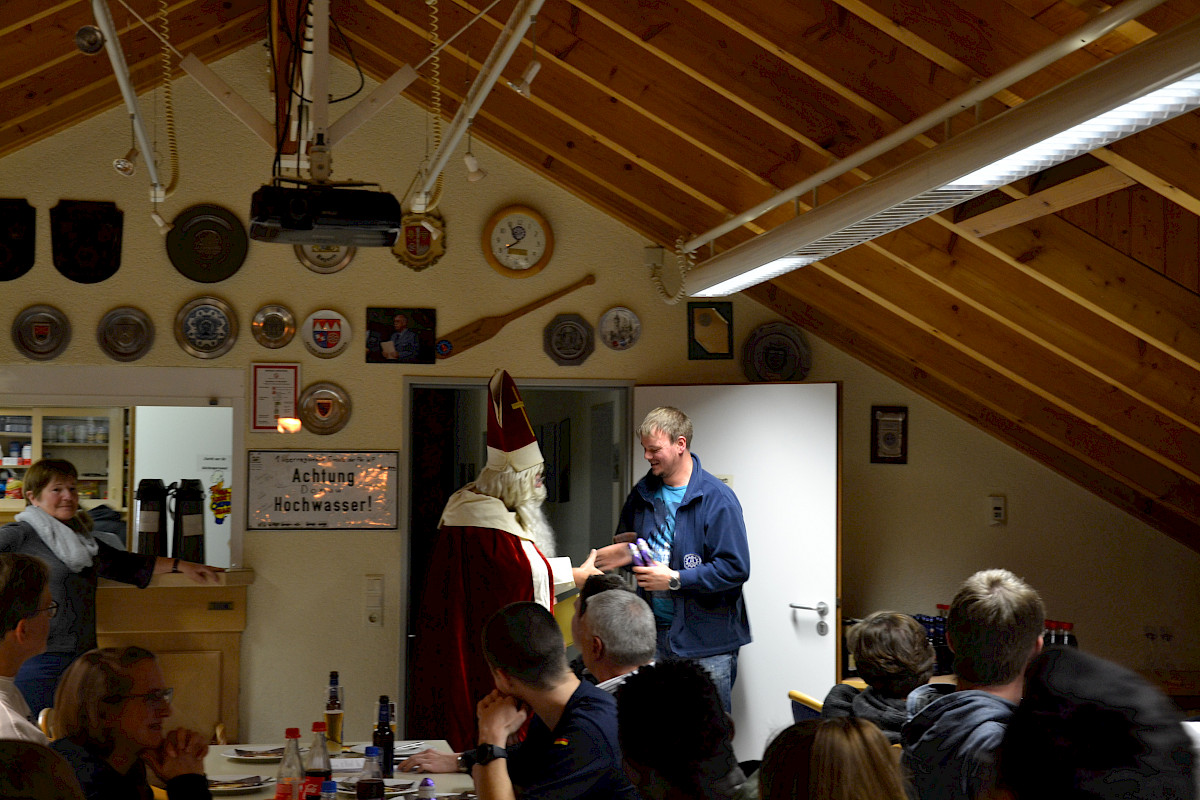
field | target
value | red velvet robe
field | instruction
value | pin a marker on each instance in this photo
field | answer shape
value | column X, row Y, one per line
column 472, row 573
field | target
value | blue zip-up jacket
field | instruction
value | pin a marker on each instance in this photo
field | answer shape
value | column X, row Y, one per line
column 712, row 555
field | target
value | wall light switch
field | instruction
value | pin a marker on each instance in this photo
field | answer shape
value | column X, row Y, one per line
column 997, row 510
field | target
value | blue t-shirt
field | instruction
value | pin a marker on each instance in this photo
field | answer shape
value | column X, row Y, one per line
column 660, row 541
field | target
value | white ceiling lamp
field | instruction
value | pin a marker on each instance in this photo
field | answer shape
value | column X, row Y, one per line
column 1151, row 83
column 474, row 173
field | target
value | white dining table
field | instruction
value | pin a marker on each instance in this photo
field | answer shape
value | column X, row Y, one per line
column 218, row 765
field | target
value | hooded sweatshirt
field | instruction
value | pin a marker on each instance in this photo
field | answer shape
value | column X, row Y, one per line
column 950, row 740
column 889, row 713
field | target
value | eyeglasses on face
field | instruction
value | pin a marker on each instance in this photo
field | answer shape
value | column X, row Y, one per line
column 159, row 698
column 51, row 610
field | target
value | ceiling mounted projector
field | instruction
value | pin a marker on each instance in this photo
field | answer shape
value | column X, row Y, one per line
column 321, row 214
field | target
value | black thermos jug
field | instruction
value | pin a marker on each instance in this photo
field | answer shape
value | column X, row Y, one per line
column 150, row 517
column 187, row 523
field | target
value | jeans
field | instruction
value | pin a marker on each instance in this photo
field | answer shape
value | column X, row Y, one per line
column 38, row 678
column 722, row 668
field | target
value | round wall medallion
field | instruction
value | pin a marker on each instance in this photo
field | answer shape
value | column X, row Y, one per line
column 41, row 332
column 206, row 327
column 620, row 328
column 324, row 408
column 125, row 333
column 325, row 333
column 207, row 243
column 568, row 339
column 776, row 351
column 273, row 326
column 325, row 258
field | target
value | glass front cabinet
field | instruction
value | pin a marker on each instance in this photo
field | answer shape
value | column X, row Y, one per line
column 93, row 439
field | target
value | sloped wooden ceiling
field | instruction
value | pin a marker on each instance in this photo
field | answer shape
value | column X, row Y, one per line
column 1061, row 314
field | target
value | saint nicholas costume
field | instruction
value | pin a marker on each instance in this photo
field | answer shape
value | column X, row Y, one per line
column 483, row 560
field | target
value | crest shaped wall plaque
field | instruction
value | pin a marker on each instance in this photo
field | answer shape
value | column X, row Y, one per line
column 324, row 408
column 125, row 333
column 206, row 327
column 86, row 239
column 18, row 228
column 41, row 332
column 422, row 240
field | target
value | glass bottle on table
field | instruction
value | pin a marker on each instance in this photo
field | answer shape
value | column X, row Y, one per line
column 369, row 785
column 334, row 714
column 290, row 777
column 384, row 739
column 317, row 768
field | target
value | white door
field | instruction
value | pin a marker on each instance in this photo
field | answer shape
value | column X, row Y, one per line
column 776, row 445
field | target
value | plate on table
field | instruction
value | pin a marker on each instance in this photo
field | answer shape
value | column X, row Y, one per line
column 392, row 787
column 260, row 754
column 405, row 749
column 238, row 784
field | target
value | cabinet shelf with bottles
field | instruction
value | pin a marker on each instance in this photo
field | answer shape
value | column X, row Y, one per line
column 93, row 439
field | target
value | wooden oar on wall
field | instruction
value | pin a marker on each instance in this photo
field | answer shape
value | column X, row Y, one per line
column 485, row 328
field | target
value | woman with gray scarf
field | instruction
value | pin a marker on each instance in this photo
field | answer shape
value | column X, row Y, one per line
column 53, row 529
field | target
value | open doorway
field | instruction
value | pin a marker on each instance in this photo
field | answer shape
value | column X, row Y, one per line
column 583, row 431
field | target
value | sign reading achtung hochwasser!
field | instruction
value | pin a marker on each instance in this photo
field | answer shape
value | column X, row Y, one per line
column 321, row 490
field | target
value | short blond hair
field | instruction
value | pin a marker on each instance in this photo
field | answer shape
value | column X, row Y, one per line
column 91, row 690
column 994, row 622
column 668, row 420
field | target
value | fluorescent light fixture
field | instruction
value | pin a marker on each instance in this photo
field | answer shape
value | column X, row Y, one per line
column 1153, row 82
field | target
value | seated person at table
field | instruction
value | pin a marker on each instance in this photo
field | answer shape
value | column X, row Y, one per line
column 615, row 634
column 1087, row 728
column 893, row 655
column 952, row 734
column 570, row 749
column 594, row 585
column 676, row 738
column 109, row 709
column 844, row 758
column 25, row 611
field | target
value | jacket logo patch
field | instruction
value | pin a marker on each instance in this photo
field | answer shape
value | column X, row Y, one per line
column 563, row 742
column 691, row 561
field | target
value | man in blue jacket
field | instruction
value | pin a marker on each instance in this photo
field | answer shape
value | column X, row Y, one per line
column 700, row 557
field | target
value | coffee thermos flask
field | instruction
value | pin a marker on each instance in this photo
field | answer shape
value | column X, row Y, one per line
column 187, row 520
column 150, row 517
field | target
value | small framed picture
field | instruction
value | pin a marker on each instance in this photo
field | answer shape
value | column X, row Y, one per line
column 710, row 330
column 889, row 434
column 400, row 335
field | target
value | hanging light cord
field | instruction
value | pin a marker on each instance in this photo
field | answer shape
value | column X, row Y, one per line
column 435, row 98
column 684, row 261
column 168, row 102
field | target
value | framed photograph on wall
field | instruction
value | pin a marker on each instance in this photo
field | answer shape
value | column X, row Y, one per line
column 889, row 434
column 400, row 335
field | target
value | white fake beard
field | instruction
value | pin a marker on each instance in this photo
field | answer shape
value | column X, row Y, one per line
column 533, row 519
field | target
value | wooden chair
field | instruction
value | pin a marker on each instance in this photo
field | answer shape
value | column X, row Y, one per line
column 803, row 706
column 46, row 723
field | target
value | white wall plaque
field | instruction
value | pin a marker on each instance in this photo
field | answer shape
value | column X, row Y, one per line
column 321, row 490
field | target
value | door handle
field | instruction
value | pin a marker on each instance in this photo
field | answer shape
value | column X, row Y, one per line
column 821, row 608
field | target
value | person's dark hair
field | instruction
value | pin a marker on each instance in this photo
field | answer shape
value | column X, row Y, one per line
column 891, row 652
column 91, row 690
column 1088, row 729
column 695, row 730
column 523, row 640
column 667, row 420
column 842, row 758
column 22, row 580
column 39, row 475
column 595, row 584
column 994, row 622
column 625, row 623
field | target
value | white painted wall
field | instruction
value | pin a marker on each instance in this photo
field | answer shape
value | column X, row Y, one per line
column 909, row 533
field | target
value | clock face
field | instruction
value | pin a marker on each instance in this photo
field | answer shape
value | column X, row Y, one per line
column 518, row 242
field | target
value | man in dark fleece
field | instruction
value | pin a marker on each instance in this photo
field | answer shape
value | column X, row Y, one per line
column 893, row 655
column 953, row 732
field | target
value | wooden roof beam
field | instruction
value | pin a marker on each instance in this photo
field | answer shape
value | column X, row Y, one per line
column 1064, row 195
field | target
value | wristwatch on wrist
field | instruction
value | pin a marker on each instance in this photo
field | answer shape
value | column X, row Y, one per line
column 673, row 582
column 466, row 760
column 487, row 753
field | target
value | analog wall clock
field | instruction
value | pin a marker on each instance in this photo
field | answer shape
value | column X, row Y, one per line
column 517, row 241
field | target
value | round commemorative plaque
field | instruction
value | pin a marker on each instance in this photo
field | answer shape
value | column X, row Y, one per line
column 273, row 326
column 325, row 258
column 41, row 332
column 776, row 351
column 324, row 408
column 125, row 333
column 206, row 327
column 568, row 339
column 620, row 328
column 325, row 333
column 207, row 243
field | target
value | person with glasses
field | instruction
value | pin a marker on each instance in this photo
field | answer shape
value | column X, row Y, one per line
column 110, row 709
column 25, row 613
column 56, row 530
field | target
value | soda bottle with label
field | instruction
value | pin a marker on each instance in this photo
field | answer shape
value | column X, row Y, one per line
column 317, row 768
column 290, row 777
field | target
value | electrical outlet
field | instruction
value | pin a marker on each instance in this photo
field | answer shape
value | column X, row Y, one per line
column 997, row 510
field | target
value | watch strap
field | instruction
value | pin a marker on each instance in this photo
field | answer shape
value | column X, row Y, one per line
column 487, row 753
column 466, row 760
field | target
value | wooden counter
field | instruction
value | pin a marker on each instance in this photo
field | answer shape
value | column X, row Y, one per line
column 195, row 630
